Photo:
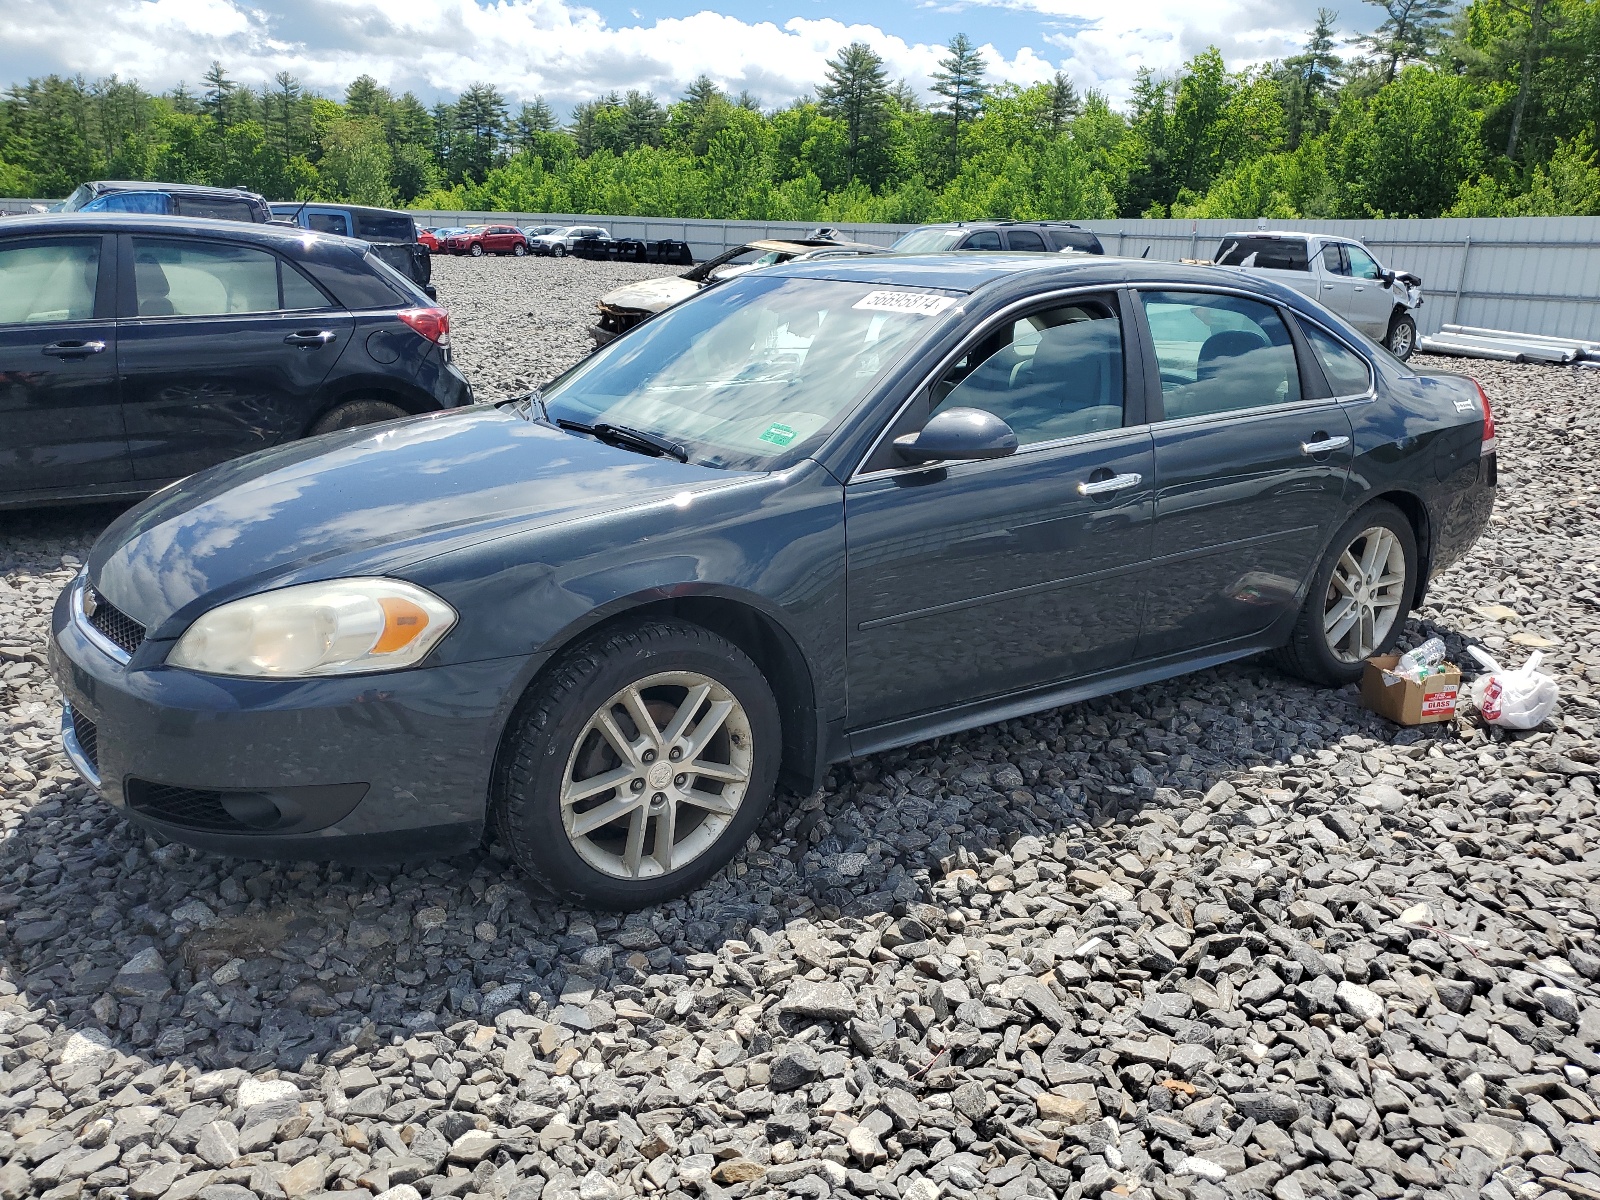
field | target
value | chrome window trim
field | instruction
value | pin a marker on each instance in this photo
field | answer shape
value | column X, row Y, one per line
column 80, row 619
column 986, row 327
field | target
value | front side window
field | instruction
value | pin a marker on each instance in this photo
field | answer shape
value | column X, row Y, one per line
column 1050, row 375
column 1025, row 239
column 1333, row 260
column 1362, row 265
column 48, row 281
column 1266, row 253
column 984, row 239
column 1346, row 370
column 202, row 279
column 1220, row 353
column 750, row 370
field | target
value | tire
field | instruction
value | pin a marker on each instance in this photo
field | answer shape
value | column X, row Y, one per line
column 519, row 249
column 356, row 412
column 554, row 745
column 1402, row 337
column 558, row 250
column 1311, row 653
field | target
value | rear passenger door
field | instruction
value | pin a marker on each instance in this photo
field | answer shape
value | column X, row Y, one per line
column 1250, row 471
column 1024, row 239
column 60, row 424
column 223, row 347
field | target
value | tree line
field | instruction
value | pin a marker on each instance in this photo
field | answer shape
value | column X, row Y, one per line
column 1490, row 109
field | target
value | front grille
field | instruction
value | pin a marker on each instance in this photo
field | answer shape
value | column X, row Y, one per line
column 114, row 625
column 189, row 807
column 88, row 738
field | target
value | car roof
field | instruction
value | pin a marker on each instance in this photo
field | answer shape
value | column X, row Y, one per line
column 141, row 185
column 1287, row 233
column 288, row 238
column 358, row 209
column 999, row 223
column 972, row 272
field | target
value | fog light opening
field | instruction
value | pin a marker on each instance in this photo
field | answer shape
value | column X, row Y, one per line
column 252, row 809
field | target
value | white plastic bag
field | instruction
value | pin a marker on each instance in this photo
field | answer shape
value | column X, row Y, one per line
column 1519, row 699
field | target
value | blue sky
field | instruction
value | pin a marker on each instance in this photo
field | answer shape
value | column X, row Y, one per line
column 568, row 51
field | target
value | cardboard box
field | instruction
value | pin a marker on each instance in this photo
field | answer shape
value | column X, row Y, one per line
column 1407, row 703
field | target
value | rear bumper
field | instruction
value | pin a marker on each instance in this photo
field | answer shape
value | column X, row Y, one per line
column 381, row 766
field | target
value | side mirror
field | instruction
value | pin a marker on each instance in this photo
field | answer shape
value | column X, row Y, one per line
column 957, row 434
column 1386, row 276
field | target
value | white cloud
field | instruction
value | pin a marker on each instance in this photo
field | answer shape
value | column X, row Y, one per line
column 568, row 52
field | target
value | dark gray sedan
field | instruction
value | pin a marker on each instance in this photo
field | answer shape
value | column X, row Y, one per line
column 822, row 510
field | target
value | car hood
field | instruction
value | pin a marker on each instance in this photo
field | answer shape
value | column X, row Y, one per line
column 651, row 295
column 367, row 501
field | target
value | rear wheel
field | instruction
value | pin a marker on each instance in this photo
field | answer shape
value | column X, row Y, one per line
column 519, row 249
column 1358, row 600
column 1402, row 338
column 639, row 766
column 356, row 412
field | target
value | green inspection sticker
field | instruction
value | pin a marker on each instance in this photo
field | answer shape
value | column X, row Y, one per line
column 778, row 434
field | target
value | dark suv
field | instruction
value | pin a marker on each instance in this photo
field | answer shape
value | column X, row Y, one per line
column 167, row 199
column 1037, row 236
column 392, row 234
column 136, row 350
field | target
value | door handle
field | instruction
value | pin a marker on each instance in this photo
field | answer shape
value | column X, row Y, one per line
column 309, row 341
column 73, row 349
column 1102, row 487
column 1324, row 446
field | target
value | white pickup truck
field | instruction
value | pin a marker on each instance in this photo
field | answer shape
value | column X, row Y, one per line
column 1339, row 273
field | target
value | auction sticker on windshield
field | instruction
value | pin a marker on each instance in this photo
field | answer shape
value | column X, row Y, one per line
column 778, row 434
column 922, row 304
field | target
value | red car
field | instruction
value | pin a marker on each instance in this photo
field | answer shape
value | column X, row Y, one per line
column 489, row 239
column 427, row 238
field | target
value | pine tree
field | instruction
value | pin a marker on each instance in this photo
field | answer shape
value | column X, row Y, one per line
column 532, row 118
column 857, row 94
column 959, row 81
column 702, row 96
column 1406, row 34
column 643, row 120
column 1064, row 103
column 1311, row 76
column 216, row 100
column 285, row 117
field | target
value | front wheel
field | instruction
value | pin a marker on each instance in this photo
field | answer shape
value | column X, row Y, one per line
column 1358, row 599
column 1402, row 338
column 477, row 249
column 639, row 766
column 558, row 250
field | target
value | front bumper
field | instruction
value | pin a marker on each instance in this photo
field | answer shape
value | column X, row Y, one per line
column 384, row 766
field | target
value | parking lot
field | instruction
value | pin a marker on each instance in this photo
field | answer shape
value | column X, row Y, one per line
column 1225, row 935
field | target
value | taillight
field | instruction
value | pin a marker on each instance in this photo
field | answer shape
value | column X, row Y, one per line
column 431, row 323
column 1488, row 446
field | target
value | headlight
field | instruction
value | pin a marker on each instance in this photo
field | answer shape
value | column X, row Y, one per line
column 340, row 627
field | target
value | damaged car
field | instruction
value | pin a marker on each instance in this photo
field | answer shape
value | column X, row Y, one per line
column 624, row 307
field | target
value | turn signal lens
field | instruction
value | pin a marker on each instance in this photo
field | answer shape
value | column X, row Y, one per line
column 339, row 627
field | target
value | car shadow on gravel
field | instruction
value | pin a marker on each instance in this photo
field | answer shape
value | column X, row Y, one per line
column 179, row 957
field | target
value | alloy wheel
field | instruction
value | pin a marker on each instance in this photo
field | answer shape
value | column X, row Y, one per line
column 1400, row 340
column 1365, row 594
column 657, row 775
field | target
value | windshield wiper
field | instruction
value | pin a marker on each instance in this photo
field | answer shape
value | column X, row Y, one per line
column 628, row 438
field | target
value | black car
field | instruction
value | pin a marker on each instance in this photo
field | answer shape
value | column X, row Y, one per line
column 1031, row 236
column 392, row 234
column 167, row 199
column 135, row 350
column 818, row 511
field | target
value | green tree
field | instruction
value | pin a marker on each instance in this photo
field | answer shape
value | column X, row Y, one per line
column 856, row 94
column 1064, row 104
column 959, row 82
column 1409, row 31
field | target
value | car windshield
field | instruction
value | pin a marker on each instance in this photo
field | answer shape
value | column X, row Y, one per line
column 749, row 371
column 927, row 241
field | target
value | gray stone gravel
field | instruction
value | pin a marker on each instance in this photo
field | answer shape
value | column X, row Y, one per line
column 1226, row 936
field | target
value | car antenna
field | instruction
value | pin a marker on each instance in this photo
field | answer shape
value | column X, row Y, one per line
column 1146, row 253
column 301, row 209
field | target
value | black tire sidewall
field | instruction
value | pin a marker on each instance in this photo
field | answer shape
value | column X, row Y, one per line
column 1395, row 323
column 336, row 418
column 1394, row 520
column 530, row 819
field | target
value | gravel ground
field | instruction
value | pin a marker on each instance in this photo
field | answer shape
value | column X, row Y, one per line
column 1223, row 936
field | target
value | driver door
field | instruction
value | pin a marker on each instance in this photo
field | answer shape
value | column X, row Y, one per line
column 969, row 580
column 1370, row 302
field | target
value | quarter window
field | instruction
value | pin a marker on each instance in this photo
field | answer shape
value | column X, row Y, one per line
column 44, row 282
column 1220, row 353
column 1346, row 370
column 203, row 279
column 1053, row 374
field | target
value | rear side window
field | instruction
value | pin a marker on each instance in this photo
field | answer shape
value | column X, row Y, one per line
column 1346, row 370
column 149, row 203
column 328, row 222
column 1333, row 260
column 984, row 239
column 1220, row 353
column 1025, row 239
column 299, row 292
column 1276, row 254
column 222, row 208
column 48, row 281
